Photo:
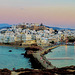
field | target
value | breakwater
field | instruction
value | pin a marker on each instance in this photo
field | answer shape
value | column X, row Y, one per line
column 39, row 60
column 45, row 51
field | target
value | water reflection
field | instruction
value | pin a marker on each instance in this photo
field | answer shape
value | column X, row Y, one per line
column 74, row 48
column 63, row 52
column 66, row 49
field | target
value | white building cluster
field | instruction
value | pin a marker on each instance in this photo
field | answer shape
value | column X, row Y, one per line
column 27, row 36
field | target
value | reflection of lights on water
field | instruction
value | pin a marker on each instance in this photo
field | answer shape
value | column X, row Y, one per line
column 66, row 49
column 74, row 48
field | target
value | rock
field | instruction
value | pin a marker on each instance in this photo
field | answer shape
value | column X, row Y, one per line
column 22, row 53
column 20, row 70
column 5, row 72
column 34, row 48
column 36, row 72
column 10, row 50
column 28, row 53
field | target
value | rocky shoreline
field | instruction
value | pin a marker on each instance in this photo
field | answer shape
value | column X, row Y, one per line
column 5, row 72
column 69, row 70
column 56, row 71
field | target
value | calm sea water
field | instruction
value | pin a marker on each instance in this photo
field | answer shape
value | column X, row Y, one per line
column 62, row 52
column 13, row 59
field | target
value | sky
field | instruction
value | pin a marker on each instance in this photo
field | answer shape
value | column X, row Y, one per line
column 55, row 13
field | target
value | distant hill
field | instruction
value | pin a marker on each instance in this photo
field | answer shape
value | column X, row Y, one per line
column 5, row 25
column 60, row 28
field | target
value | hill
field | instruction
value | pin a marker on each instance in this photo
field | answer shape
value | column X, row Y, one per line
column 59, row 28
column 5, row 25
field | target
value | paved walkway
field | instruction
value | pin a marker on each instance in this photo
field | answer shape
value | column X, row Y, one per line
column 43, row 62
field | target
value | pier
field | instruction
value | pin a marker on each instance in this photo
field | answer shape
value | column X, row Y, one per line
column 39, row 56
column 44, row 62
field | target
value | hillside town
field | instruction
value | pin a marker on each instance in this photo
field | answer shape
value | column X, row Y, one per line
column 29, row 34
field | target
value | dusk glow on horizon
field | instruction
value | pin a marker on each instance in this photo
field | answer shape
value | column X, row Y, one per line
column 56, row 13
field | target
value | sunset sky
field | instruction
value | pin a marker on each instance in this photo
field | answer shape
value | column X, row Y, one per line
column 56, row 13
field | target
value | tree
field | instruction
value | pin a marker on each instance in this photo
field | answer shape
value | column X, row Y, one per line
column 71, row 38
column 55, row 31
column 41, row 24
column 52, row 42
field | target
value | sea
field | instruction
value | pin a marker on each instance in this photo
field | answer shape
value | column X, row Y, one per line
column 13, row 59
column 62, row 56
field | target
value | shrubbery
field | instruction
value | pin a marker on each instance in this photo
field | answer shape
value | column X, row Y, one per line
column 71, row 38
